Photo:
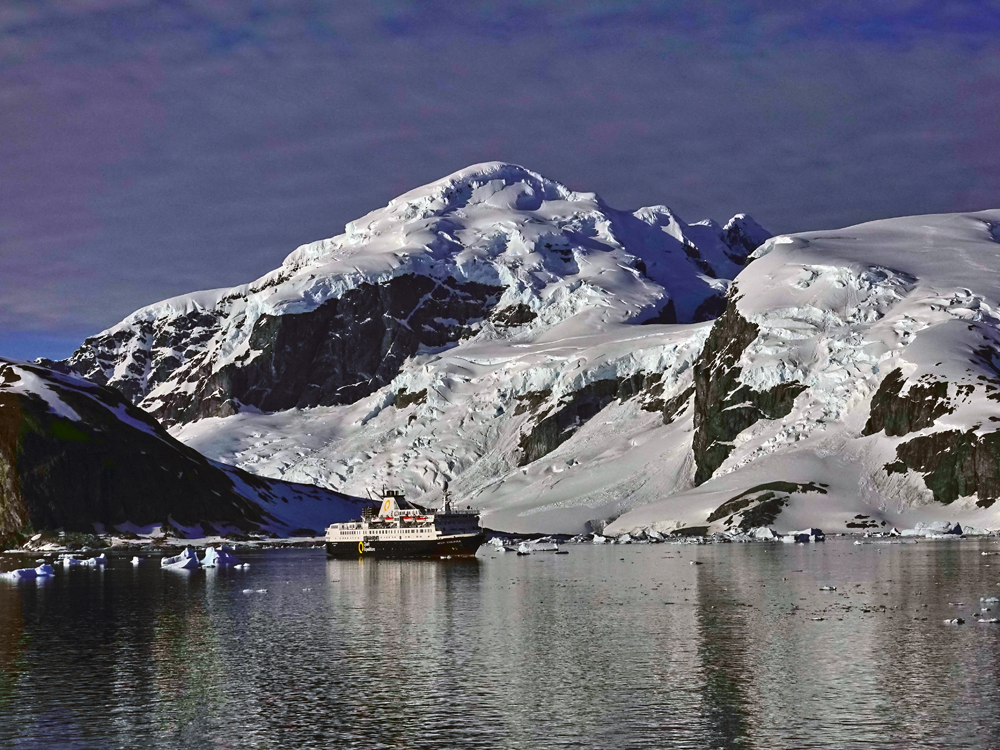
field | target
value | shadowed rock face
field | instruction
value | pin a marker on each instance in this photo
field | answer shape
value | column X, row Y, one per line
column 343, row 350
column 954, row 464
column 724, row 407
column 919, row 408
column 113, row 465
column 561, row 421
column 761, row 505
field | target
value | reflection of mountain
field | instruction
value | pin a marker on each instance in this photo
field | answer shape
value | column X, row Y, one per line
column 189, row 678
column 725, row 654
column 11, row 644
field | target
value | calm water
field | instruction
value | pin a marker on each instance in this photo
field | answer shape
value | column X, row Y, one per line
column 581, row 650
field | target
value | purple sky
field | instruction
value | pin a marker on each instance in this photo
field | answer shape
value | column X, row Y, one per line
column 149, row 149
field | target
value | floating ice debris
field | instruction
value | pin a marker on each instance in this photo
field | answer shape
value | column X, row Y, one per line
column 44, row 571
column 991, row 620
column 985, row 554
column 186, row 560
column 247, row 591
column 955, row 621
column 817, row 619
column 241, row 566
column 695, row 562
column 68, row 561
column 137, row 561
column 805, row 536
column 224, row 557
column 545, row 544
column 307, row 589
column 935, row 530
column 261, row 591
column 22, row 574
column 989, row 598
column 827, row 588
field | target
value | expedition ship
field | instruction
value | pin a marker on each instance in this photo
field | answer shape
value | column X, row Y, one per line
column 401, row 529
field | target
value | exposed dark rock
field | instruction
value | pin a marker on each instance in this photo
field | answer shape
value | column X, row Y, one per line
column 531, row 400
column 405, row 398
column 670, row 407
column 574, row 410
column 340, row 352
column 954, row 464
column 918, row 409
column 666, row 315
column 743, row 235
column 116, row 464
column 711, row 308
column 512, row 316
column 761, row 505
column 723, row 406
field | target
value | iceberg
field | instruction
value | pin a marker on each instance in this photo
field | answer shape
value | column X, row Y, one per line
column 186, row 560
column 22, row 574
column 219, row 559
column 44, row 571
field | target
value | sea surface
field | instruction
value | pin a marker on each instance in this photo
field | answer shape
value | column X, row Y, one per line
column 606, row 647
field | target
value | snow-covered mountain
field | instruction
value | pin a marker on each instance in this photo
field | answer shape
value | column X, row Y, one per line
column 77, row 456
column 491, row 253
column 555, row 361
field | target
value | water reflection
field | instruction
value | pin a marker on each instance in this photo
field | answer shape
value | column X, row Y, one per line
column 606, row 647
column 11, row 644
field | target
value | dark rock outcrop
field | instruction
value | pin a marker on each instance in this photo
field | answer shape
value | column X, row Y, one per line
column 724, row 407
column 900, row 415
column 345, row 349
column 954, row 464
column 761, row 505
column 562, row 420
column 113, row 464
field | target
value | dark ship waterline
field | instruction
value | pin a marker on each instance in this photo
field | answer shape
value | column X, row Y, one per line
column 400, row 529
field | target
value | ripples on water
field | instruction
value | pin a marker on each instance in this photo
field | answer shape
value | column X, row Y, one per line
column 586, row 650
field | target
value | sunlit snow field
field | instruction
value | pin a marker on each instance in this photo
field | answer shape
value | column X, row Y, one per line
column 616, row 646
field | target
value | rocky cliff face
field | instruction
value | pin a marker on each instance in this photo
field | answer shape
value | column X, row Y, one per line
column 73, row 455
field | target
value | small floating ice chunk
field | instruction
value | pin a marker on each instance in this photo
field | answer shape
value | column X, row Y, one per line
column 137, row 561
column 186, row 560
column 989, row 598
column 827, row 588
column 955, row 621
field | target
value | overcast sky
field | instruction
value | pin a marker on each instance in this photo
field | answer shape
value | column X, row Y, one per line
column 149, row 149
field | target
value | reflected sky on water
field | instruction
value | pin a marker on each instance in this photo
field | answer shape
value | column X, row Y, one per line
column 623, row 646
